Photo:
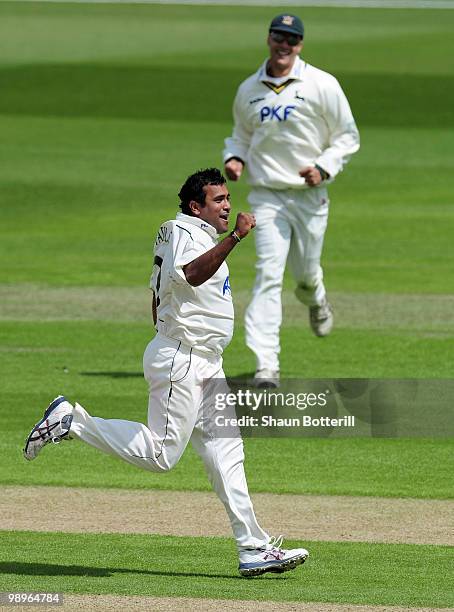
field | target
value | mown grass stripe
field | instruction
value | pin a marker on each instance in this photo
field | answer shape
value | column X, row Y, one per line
column 381, row 574
column 371, row 311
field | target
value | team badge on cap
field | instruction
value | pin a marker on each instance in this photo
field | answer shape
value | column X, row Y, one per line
column 287, row 23
column 287, row 20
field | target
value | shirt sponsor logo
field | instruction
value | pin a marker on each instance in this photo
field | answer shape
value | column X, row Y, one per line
column 278, row 113
column 226, row 287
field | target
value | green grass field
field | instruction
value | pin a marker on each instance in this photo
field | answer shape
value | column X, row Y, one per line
column 391, row 574
column 104, row 111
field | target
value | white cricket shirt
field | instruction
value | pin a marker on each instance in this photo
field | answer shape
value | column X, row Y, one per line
column 201, row 317
column 277, row 132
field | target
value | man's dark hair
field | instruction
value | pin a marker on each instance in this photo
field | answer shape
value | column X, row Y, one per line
column 193, row 187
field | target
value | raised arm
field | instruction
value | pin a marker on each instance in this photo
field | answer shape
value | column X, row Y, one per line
column 203, row 267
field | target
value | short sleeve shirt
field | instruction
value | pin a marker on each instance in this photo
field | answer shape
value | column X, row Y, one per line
column 200, row 317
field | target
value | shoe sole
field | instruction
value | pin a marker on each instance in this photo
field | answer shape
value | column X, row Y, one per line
column 278, row 568
column 54, row 404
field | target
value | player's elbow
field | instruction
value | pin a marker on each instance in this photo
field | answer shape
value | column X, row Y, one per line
column 192, row 277
column 196, row 282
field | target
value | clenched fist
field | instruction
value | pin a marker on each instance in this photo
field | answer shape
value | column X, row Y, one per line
column 233, row 168
column 311, row 175
column 244, row 223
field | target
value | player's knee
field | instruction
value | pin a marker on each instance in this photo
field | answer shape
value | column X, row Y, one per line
column 166, row 462
column 268, row 279
column 163, row 466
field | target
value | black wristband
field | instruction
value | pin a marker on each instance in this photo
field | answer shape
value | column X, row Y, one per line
column 235, row 235
column 323, row 173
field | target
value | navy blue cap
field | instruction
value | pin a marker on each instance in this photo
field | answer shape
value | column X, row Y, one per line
column 287, row 23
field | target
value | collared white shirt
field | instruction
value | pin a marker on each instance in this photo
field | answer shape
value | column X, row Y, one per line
column 277, row 133
column 201, row 317
column 295, row 72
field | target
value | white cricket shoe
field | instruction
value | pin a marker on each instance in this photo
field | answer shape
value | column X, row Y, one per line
column 271, row 558
column 266, row 379
column 321, row 318
column 53, row 427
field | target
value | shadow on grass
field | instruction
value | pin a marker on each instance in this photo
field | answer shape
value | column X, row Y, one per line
column 50, row 569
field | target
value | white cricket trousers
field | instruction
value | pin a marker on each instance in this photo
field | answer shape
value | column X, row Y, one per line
column 176, row 374
column 291, row 225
